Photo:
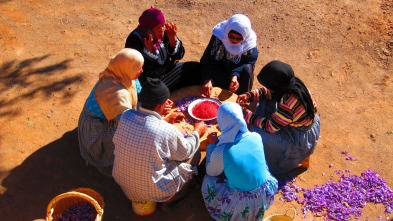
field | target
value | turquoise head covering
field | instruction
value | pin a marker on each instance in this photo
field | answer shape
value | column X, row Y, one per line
column 243, row 155
column 231, row 123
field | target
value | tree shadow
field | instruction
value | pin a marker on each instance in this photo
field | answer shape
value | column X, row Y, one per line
column 29, row 81
column 57, row 168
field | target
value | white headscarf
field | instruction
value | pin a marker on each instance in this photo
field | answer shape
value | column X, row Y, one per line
column 231, row 123
column 115, row 91
column 241, row 24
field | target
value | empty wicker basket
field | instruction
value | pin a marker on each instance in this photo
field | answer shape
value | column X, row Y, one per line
column 58, row 205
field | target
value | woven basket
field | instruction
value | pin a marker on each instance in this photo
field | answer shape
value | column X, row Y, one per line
column 282, row 217
column 58, row 205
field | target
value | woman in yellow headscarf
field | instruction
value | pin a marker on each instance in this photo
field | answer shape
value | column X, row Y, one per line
column 114, row 93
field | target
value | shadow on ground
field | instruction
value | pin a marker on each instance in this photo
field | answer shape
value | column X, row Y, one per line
column 57, row 168
column 30, row 79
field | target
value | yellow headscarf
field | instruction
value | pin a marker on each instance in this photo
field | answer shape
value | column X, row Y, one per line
column 115, row 91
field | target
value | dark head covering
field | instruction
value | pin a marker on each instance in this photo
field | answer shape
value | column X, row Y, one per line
column 149, row 19
column 153, row 92
column 279, row 77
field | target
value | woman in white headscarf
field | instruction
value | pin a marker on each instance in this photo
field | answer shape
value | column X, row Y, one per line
column 229, row 59
column 238, row 184
column 114, row 93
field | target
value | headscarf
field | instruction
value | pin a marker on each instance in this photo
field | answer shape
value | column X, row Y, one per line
column 154, row 92
column 239, row 23
column 149, row 19
column 115, row 91
column 280, row 78
column 231, row 123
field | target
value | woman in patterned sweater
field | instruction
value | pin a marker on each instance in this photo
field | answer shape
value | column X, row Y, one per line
column 286, row 117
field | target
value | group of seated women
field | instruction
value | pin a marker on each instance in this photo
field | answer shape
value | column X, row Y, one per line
column 278, row 136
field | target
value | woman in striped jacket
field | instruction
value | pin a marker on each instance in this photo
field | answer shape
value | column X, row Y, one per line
column 286, row 117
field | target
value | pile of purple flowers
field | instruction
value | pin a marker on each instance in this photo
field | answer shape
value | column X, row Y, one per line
column 80, row 212
column 182, row 106
column 344, row 199
column 288, row 189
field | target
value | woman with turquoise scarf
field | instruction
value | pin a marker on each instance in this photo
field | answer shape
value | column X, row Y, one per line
column 238, row 184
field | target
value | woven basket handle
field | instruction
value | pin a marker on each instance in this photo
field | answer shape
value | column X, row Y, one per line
column 294, row 212
column 49, row 209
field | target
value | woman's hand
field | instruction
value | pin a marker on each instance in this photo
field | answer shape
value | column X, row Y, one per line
column 243, row 98
column 234, row 85
column 171, row 31
column 200, row 128
column 207, row 89
column 149, row 42
column 212, row 137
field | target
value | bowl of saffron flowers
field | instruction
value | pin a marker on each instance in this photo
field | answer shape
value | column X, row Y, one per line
column 204, row 109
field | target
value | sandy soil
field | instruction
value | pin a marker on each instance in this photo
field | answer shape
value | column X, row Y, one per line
column 52, row 52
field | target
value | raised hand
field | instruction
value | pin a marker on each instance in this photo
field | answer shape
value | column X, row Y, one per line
column 171, row 32
column 149, row 43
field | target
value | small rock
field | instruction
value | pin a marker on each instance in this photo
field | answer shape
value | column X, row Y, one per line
column 390, row 43
column 386, row 52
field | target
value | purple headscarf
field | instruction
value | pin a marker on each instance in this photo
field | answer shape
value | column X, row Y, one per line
column 149, row 19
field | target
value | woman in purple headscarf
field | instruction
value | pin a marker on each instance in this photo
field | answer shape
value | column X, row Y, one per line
column 162, row 49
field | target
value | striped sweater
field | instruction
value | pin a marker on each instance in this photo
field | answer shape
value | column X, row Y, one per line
column 290, row 111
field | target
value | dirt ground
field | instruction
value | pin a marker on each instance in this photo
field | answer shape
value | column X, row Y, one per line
column 52, row 53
